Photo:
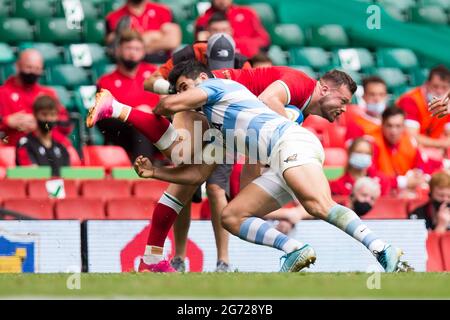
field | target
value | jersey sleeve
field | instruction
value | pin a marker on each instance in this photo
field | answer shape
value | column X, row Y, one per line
column 214, row 90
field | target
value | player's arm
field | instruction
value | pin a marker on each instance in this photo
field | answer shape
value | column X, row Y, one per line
column 157, row 82
column 187, row 174
column 190, row 99
column 275, row 97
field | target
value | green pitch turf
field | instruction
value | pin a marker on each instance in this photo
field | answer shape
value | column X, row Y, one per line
column 231, row 285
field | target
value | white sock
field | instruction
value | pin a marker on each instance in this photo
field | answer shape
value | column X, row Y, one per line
column 150, row 257
column 120, row 108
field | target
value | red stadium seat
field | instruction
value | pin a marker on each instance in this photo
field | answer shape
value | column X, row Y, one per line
column 74, row 156
column 7, row 156
column 445, row 249
column 413, row 204
column 35, row 208
column 105, row 156
column 37, row 190
column 12, row 189
column 335, row 157
column 80, row 209
column 388, row 208
column 149, row 189
column 435, row 261
column 130, row 208
column 105, row 189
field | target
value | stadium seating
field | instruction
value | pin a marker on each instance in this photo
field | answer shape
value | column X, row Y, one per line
column 150, row 189
column 15, row 30
column 388, row 208
column 6, row 54
column 69, row 76
column 429, row 15
column 105, row 156
column 7, row 156
column 105, row 189
column 32, row 9
column 80, row 209
column 130, row 208
column 29, row 173
column 335, row 157
column 94, row 31
column 12, row 189
column 124, row 173
column 328, row 36
column 34, row 208
column 36, row 189
column 288, row 35
column 277, row 55
column 356, row 59
column 435, row 261
column 445, row 249
column 49, row 51
column 57, row 31
column 265, row 13
column 403, row 59
column 315, row 57
column 82, row 172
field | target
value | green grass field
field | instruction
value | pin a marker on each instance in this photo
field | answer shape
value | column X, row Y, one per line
column 228, row 286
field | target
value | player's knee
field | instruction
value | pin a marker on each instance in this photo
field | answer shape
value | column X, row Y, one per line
column 319, row 207
column 230, row 219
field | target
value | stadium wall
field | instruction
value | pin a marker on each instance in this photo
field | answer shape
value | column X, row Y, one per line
column 117, row 245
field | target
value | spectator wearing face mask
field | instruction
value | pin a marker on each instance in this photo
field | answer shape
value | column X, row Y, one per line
column 364, row 194
column 428, row 131
column 17, row 96
column 366, row 118
column 359, row 165
column 41, row 147
column 436, row 211
column 126, row 83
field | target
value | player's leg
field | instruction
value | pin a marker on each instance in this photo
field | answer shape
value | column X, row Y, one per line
column 158, row 130
column 172, row 201
column 243, row 218
column 180, row 231
column 217, row 202
column 312, row 189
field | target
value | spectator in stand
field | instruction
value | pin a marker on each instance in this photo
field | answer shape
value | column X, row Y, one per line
column 428, row 131
column 436, row 211
column 17, row 96
column 152, row 20
column 360, row 164
column 41, row 147
column 396, row 153
column 126, row 83
column 261, row 60
column 366, row 118
column 365, row 193
column 208, row 53
column 248, row 32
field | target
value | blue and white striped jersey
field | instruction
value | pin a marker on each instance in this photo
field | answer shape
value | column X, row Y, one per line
column 243, row 118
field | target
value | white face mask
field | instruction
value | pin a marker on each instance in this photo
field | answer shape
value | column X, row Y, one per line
column 376, row 108
column 360, row 160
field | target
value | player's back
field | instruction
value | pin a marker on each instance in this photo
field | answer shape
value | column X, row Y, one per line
column 256, row 79
column 234, row 110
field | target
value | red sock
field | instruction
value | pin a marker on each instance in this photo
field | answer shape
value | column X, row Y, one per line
column 153, row 127
column 164, row 215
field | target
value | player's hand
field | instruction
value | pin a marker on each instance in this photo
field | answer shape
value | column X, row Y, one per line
column 440, row 107
column 144, row 167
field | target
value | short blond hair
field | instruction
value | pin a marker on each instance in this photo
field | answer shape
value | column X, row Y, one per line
column 439, row 179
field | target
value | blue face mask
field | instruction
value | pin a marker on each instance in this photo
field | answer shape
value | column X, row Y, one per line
column 376, row 108
column 360, row 160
